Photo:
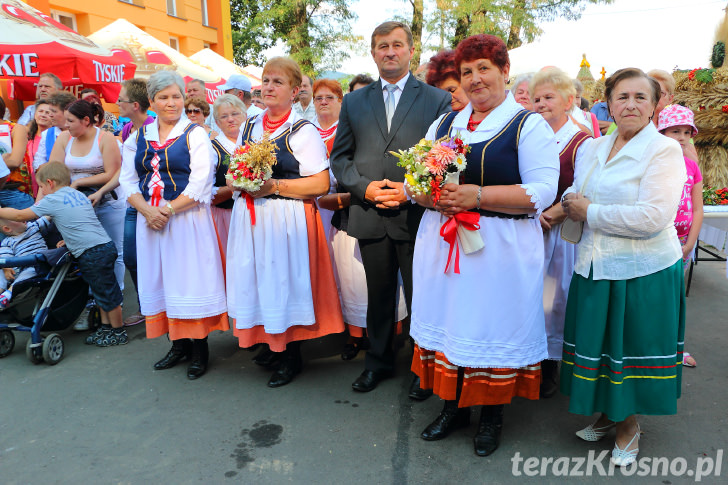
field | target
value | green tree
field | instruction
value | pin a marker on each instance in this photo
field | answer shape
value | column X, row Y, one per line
column 515, row 21
column 315, row 32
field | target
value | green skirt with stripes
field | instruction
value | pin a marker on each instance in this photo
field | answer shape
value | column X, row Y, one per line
column 623, row 344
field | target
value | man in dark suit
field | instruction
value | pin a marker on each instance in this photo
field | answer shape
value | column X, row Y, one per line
column 390, row 114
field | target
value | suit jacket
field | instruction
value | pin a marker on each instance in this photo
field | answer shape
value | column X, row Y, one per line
column 361, row 155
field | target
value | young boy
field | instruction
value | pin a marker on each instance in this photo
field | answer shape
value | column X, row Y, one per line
column 86, row 239
column 22, row 239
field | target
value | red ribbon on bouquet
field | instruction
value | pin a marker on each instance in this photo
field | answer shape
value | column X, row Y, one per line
column 449, row 232
column 250, row 203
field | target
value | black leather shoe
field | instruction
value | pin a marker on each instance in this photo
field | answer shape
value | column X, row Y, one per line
column 181, row 350
column 289, row 368
column 448, row 421
column 489, row 430
column 416, row 392
column 352, row 350
column 200, row 357
column 268, row 359
column 368, row 380
column 549, row 370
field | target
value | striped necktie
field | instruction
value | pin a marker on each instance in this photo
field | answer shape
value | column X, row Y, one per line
column 391, row 106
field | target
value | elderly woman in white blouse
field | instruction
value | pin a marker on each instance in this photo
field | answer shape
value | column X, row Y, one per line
column 167, row 175
column 625, row 316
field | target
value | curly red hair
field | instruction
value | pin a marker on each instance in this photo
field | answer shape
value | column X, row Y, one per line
column 482, row 46
column 441, row 67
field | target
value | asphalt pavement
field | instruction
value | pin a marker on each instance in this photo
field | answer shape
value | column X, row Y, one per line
column 103, row 415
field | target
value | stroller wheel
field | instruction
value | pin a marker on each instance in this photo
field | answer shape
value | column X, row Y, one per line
column 34, row 354
column 53, row 349
column 7, row 342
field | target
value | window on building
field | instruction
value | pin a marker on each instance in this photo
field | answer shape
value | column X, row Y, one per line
column 65, row 18
column 174, row 43
column 172, row 7
column 203, row 6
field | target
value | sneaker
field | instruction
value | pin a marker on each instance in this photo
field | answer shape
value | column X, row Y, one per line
column 81, row 324
column 99, row 333
column 134, row 319
column 116, row 336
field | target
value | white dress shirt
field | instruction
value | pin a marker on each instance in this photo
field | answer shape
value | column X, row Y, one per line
column 629, row 231
column 398, row 93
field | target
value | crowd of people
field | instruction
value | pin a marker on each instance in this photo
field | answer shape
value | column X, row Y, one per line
column 588, row 218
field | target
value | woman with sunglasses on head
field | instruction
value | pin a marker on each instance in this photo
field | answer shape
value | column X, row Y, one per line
column 197, row 110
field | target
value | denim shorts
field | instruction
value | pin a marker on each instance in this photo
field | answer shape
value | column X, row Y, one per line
column 97, row 269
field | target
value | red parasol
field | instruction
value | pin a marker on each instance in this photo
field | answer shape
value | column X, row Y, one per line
column 32, row 43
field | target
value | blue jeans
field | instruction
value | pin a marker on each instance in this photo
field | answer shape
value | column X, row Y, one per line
column 130, row 259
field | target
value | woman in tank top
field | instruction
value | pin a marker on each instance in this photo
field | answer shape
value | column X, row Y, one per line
column 93, row 157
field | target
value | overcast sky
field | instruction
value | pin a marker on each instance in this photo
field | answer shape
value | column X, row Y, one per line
column 642, row 33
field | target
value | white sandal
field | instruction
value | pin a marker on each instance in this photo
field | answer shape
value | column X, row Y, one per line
column 590, row 433
column 625, row 456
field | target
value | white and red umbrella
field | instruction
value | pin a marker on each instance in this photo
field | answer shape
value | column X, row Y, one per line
column 150, row 55
column 32, row 43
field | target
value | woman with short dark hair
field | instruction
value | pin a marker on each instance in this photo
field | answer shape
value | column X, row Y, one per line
column 625, row 316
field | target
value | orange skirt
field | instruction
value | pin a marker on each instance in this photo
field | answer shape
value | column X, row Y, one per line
column 326, row 306
column 178, row 328
column 481, row 386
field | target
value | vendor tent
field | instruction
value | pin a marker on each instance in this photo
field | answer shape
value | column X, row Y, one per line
column 213, row 61
column 32, row 43
column 151, row 55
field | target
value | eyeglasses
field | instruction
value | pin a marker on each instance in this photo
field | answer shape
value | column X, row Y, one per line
column 119, row 101
column 193, row 111
column 329, row 99
column 236, row 114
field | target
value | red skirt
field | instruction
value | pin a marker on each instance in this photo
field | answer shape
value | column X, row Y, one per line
column 481, row 386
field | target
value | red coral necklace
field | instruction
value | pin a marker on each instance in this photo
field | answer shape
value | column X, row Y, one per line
column 271, row 126
column 472, row 125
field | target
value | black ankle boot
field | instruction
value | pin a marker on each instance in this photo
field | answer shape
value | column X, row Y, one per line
column 290, row 366
column 200, row 356
column 181, row 350
column 267, row 358
column 489, row 430
column 450, row 419
column 549, row 371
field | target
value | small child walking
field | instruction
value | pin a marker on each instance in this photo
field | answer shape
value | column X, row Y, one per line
column 86, row 239
column 677, row 122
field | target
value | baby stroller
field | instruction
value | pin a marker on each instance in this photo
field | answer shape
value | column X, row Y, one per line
column 50, row 301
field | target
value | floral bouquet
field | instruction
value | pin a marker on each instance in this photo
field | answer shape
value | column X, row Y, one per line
column 430, row 165
column 713, row 196
column 251, row 165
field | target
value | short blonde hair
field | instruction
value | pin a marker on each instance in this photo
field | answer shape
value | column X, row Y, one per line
column 55, row 171
column 555, row 77
column 287, row 66
column 664, row 78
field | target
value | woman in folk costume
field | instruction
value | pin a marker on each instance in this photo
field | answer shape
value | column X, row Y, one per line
column 229, row 114
column 169, row 182
column 280, row 285
column 480, row 334
column 552, row 93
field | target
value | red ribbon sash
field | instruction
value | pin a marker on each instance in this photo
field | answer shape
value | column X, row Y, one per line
column 250, row 203
column 449, row 232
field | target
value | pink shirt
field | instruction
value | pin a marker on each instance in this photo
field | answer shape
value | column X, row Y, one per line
column 684, row 218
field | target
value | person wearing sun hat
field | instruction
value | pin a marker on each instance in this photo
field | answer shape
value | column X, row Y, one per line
column 677, row 122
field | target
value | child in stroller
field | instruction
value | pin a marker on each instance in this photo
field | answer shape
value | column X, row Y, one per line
column 22, row 239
